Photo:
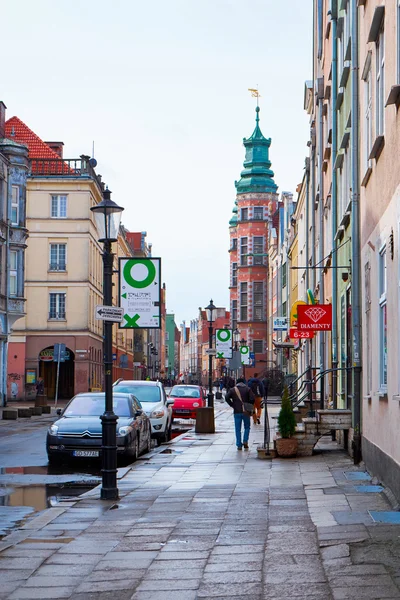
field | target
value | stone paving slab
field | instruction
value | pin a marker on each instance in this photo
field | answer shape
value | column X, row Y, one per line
column 204, row 522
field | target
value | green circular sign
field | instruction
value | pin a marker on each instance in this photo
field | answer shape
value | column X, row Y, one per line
column 223, row 335
column 151, row 273
column 244, row 350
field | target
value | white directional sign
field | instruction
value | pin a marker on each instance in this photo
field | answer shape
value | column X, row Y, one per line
column 245, row 355
column 139, row 292
column 223, row 342
column 211, row 351
column 280, row 324
column 109, row 313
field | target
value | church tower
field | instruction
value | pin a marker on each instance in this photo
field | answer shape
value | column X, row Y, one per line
column 256, row 202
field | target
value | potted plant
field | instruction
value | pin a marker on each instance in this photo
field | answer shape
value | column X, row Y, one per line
column 286, row 444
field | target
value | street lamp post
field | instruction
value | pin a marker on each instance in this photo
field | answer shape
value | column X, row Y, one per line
column 236, row 336
column 243, row 343
column 210, row 309
column 107, row 216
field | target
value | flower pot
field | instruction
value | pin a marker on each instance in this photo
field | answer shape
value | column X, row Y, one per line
column 287, row 447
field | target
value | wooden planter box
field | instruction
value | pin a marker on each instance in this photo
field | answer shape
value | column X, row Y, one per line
column 286, row 447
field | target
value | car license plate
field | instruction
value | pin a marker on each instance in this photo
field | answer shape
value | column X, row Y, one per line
column 182, row 411
column 90, row 453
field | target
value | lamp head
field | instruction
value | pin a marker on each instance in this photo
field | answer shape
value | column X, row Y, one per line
column 210, row 310
column 107, row 216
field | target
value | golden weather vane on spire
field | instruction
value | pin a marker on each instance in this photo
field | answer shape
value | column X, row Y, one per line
column 255, row 93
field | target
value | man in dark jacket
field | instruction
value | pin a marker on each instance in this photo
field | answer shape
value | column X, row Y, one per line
column 236, row 397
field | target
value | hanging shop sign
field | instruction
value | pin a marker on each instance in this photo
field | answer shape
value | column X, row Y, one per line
column 317, row 317
column 293, row 312
column 245, row 355
column 139, row 293
column 297, row 334
column 47, row 355
column 280, row 324
column 223, row 343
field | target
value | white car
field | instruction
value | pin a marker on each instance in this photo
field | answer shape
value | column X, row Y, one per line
column 154, row 401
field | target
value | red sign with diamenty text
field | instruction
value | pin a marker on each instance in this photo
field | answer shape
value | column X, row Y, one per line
column 296, row 334
column 314, row 317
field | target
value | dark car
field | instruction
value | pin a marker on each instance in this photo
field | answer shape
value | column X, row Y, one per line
column 78, row 431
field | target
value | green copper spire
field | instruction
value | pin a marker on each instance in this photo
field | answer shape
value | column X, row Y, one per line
column 257, row 175
column 233, row 221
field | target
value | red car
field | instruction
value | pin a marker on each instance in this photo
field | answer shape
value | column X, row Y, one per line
column 187, row 399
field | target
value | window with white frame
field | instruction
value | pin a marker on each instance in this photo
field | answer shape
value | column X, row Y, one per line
column 13, row 273
column 244, row 214
column 58, row 257
column 258, row 250
column 234, row 274
column 380, row 83
column 243, row 251
column 258, row 212
column 59, row 207
column 345, row 183
column 57, row 305
column 14, row 205
column 367, row 116
column 258, row 300
column 243, row 301
column 382, row 282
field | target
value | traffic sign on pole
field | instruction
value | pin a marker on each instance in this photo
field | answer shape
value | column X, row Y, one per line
column 109, row 313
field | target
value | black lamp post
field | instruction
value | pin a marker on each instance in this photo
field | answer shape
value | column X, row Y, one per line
column 210, row 309
column 107, row 216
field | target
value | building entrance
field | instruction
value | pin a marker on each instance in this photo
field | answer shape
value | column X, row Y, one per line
column 48, row 370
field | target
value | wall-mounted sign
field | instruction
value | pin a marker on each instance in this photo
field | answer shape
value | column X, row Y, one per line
column 297, row 334
column 245, row 355
column 30, row 376
column 280, row 324
column 223, row 343
column 293, row 312
column 47, row 355
column 139, row 292
column 317, row 317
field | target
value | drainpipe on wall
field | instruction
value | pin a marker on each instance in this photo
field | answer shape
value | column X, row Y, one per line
column 321, row 245
column 7, row 290
column 334, row 213
column 355, row 238
column 307, row 167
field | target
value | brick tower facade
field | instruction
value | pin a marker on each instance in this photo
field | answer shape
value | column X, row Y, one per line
column 256, row 202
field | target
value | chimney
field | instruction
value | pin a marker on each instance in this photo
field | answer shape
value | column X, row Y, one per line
column 2, row 119
column 57, row 147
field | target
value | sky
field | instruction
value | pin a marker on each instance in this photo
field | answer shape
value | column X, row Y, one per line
column 161, row 87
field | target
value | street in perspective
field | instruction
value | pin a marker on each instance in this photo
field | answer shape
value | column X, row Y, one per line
column 200, row 300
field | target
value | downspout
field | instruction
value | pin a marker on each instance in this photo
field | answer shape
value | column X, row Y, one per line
column 334, row 213
column 355, row 238
column 307, row 163
column 321, row 246
column 6, row 319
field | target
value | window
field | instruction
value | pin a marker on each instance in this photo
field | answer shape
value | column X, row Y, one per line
column 284, row 309
column 382, row 320
column 243, row 301
column 345, row 183
column 380, row 84
column 234, row 243
column 258, row 346
column 234, row 274
column 367, row 118
column 258, row 300
column 14, row 205
column 59, row 207
column 284, row 275
column 244, row 214
column 58, row 254
column 13, row 273
column 367, row 297
column 258, row 249
column 234, row 314
column 258, row 212
column 57, row 305
column 243, row 251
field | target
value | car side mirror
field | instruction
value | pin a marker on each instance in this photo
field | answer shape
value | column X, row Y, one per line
column 170, row 401
column 58, row 411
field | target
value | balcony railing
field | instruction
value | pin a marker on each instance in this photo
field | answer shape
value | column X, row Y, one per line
column 62, row 167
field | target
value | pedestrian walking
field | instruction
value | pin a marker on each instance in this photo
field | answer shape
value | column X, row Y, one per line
column 241, row 399
column 257, row 388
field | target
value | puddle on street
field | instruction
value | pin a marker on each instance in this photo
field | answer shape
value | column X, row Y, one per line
column 40, row 497
column 84, row 469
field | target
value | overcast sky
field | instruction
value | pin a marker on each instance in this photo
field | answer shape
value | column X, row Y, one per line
column 161, row 88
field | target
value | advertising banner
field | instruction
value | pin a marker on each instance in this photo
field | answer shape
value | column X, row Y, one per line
column 317, row 317
column 139, row 292
column 223, row 343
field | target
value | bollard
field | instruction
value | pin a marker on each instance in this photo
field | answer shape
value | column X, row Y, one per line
column 24, row 413
column 36, row 411
column 10, row 414
column 205, row 420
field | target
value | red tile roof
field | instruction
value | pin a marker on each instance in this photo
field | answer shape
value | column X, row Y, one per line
column 16, row 130
column 19, row 132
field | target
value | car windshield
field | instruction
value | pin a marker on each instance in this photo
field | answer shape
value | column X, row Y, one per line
column 182, row 391
column 94, row 406
column 144, row 393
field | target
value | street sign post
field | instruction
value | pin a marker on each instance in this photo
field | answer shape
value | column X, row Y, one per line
column 139, row 292
column 223, row 342
column 211, row 351
column 109, row 313
column 58, row 357
column 245, row 355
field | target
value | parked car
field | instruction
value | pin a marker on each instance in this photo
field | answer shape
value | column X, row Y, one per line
column 78, row 431
column 153, row 398
column 187, row 399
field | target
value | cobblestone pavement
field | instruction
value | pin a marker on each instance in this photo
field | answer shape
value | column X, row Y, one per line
column 199, row 519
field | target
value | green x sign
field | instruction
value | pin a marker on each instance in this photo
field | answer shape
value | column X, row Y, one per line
column 223, row 343
column 139, row 292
